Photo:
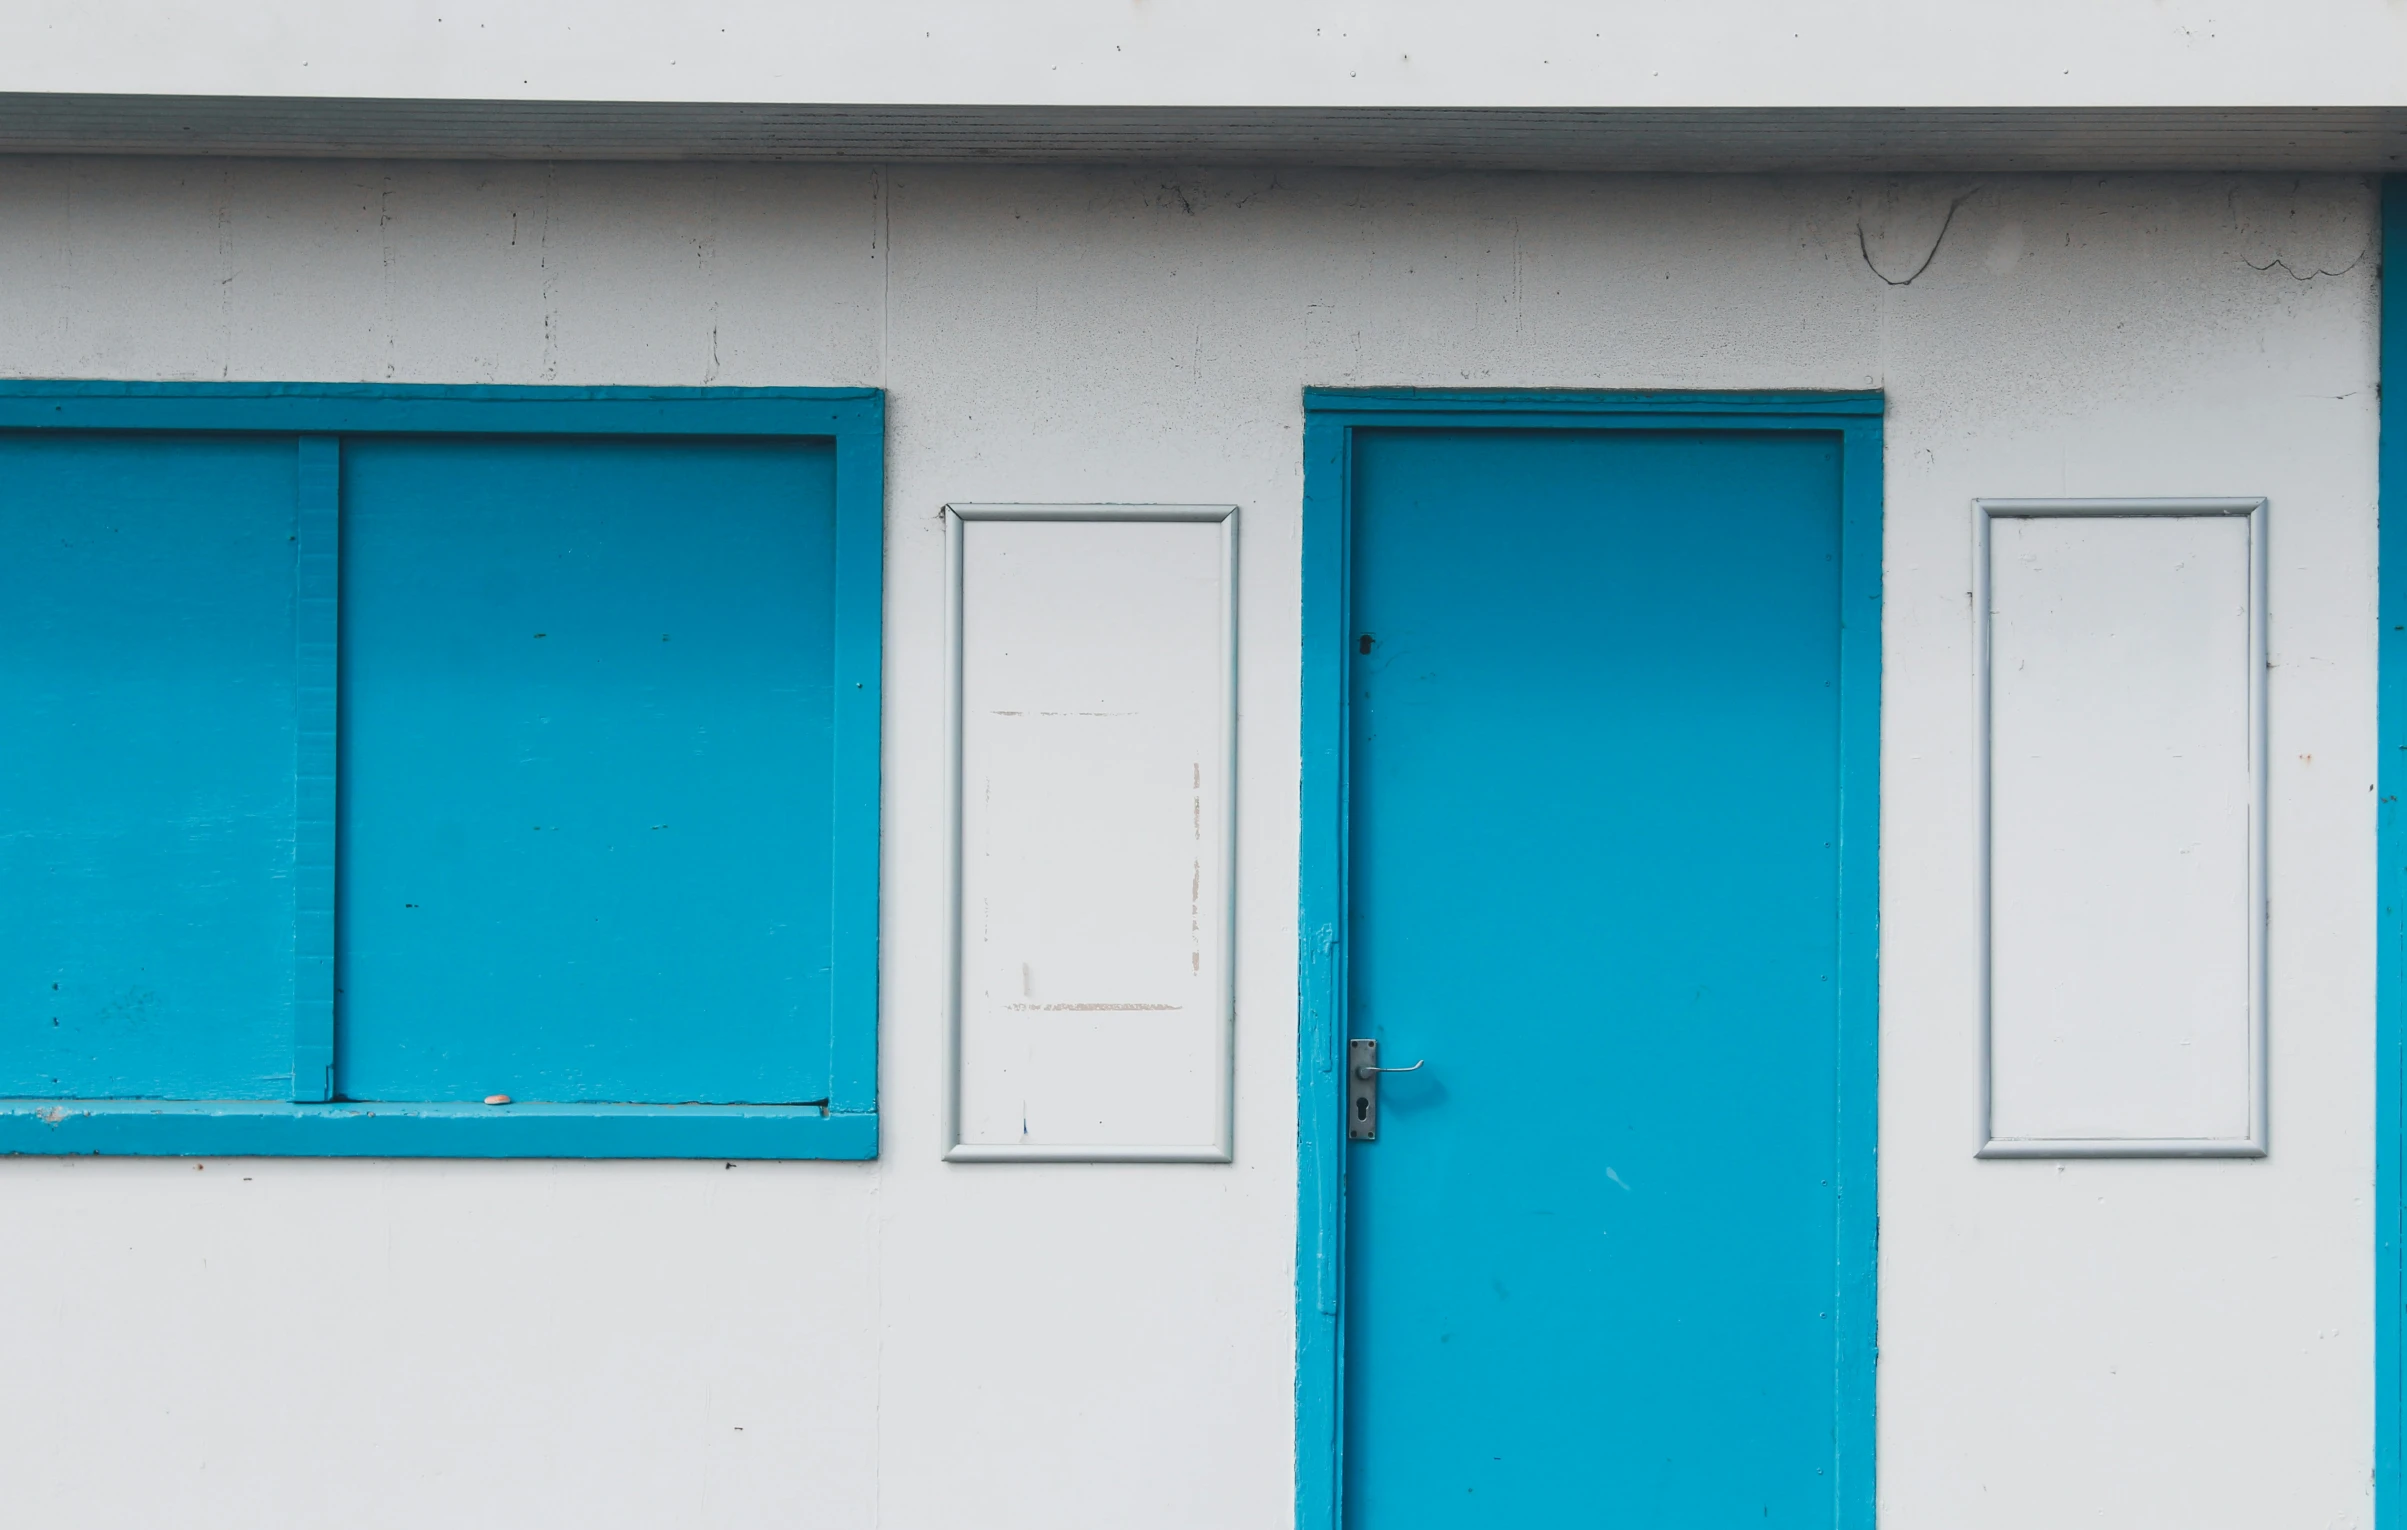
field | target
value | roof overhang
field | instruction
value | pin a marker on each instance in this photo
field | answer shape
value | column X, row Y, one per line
column 1684, row 139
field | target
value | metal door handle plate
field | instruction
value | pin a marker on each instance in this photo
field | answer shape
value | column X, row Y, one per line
column 1362, row 1088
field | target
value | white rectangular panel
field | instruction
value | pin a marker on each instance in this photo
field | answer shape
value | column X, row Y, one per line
column 2123, row 680
column 1093, row 654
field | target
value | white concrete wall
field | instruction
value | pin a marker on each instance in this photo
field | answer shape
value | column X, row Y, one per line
column 1229, row 52
column 915, row 1344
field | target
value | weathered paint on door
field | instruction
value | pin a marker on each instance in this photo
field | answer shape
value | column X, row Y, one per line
column 1593, row 1259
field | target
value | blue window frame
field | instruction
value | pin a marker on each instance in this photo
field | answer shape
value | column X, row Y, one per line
column 380, row 751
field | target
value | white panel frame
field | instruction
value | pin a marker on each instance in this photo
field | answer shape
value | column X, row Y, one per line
column 2256, row 1143
column 1222, row 1148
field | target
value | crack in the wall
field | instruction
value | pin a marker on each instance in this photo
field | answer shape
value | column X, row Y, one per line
column 384, row 250
column 2297, row 275
column 706, row 252
column 882, row 248
column 547, row 284
column 2276, row 220
column 1260, row 192
column 1864, row 247
column 225, row 267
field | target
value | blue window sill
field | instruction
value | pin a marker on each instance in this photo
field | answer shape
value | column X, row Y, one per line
column 434, row 1129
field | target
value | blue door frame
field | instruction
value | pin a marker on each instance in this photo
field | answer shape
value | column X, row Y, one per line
column 1330, row 418
column 2390, row 962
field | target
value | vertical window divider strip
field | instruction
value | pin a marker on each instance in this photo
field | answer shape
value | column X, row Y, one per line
column 316, row 593
column 855, row 713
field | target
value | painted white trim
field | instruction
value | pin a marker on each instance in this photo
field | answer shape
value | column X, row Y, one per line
column 2255, row 1143
column 1222, row 1148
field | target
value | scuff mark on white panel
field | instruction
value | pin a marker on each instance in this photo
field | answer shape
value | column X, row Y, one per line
column 1092, row 651
column 2123, row 683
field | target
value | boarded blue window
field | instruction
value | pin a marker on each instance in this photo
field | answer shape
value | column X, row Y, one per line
column 380, row 752
column 147, row 671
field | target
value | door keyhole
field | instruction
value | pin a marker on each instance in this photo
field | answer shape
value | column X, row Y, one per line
column 1362, row 1108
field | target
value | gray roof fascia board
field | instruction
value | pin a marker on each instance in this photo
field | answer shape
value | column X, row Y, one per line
column 1685, row 139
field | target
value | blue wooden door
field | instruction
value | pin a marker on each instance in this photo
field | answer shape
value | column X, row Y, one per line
column 1593, row 1260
